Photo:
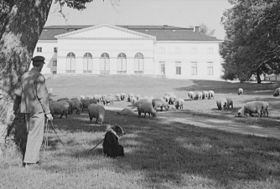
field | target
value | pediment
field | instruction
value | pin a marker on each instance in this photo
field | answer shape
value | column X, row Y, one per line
column 104, row 32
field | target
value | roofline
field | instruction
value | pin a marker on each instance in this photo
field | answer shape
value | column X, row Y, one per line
column 190, row 41
column 106, row 25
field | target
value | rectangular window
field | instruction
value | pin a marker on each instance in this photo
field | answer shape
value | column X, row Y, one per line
column 39, row 49
column 194, row 68
column 178, row 68
column 210, row 68
column 162, row 67
column 55, row 49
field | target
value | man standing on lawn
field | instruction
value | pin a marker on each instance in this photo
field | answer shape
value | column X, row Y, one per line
column 35, row 105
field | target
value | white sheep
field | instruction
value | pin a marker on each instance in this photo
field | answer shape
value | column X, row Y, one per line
column 191, row 94
column 205, row 94
column 221, row 103
column 276, row 92
column 179, row 103
column 240, row 91
column 96, row 111
column 211, row 94
column 146, row 107
column 259, row 107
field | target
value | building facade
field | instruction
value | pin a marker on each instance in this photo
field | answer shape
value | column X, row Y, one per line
column 165, row 51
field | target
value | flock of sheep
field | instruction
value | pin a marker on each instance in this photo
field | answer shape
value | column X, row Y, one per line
column 94, row 105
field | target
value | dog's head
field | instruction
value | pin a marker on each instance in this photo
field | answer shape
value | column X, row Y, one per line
column 118, row 129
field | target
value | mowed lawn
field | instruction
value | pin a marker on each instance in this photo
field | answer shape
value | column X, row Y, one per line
column 197, row 147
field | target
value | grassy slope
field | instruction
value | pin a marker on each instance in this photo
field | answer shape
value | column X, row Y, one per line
column 161, row 152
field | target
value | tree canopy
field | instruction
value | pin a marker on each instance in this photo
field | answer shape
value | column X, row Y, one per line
column 252, row 42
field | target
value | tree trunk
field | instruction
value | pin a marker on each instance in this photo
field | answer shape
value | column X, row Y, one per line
column 20, row 28
column 259, row 77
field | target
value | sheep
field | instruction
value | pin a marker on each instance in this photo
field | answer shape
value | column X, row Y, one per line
column 59, row 108
column 240, row 91
column 146, row 107
column 76, row 105
column 165, row 98
column 96, row 111
column 70, row 109
column 111, row 146
column 172, row 99
column 211, row 94
column 205, row 95
column 221, row 103
column 106, row 100
column 228, row 104
column 179, row 103
column 197, row 95
column 140, row 101
column 123, row 96
column 85, row 102
column 259, row 107
column 133, row 100
column 191, row 94
column 159, row 103
column 276, row 92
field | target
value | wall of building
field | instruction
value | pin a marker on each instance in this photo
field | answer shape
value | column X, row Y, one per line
column 47, row 51
column 182, row 54
column 186, row 54
column 112, row 47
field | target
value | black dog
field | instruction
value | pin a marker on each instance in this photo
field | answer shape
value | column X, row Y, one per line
column 111, row 146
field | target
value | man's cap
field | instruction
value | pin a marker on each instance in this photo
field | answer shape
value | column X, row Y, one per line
column 38, row 60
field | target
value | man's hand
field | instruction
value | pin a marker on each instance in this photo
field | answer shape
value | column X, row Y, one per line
column 49, row 117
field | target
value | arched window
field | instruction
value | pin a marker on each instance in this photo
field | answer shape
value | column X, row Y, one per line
column 87, row 63
column 139, row 63
column 70, row 62
column 104, row 63
column 121, row 63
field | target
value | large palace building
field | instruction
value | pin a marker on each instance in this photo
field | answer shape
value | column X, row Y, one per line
column 165, row 51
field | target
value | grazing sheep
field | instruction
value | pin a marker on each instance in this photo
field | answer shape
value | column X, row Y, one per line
column 76, row 105
column 191, row 94
column 211, row 94
column 140, row 101
column 276, row 92
column 146, row 107
column 240, row 91
column 165, row 98
column 172, row 99
column 259, row 107
column 221, row 103
column 179, row 103
column 96, row 111
column 106, row 100
column 123, row 96
column 228, row 104
column 205, row 95
column 197, row 95
column 159, row 103
column 111, row 146
column 59, row 108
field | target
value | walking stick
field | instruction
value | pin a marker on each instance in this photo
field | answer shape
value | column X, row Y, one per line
column 47, row 131
column 56, row 133
column 96, row 145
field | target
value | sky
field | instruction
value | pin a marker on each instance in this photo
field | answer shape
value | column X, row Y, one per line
column 184, row 13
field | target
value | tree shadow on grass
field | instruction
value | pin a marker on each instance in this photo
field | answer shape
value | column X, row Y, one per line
column 170, row 151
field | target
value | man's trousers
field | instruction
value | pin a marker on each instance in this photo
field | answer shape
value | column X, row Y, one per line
column 35, row 133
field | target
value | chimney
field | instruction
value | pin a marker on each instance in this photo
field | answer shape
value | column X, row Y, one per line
column 196, row 29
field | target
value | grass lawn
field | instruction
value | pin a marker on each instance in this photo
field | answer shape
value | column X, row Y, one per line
column 198, row 147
